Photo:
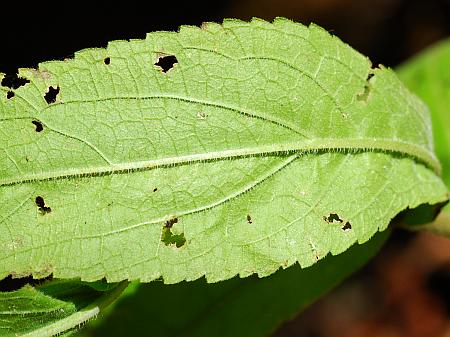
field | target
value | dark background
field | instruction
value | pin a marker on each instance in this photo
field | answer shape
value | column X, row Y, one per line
column 405, row 291
column 388, row 31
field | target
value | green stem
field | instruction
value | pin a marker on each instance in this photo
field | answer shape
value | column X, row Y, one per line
column 80, row 317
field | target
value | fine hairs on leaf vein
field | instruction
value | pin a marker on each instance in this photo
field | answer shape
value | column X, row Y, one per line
column 313, row 147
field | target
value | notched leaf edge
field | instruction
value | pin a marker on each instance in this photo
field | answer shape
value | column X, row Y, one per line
column 166, row 230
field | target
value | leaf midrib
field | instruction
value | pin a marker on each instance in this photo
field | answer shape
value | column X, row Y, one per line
column 308, row 146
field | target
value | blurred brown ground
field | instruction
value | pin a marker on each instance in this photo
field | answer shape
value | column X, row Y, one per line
column 405, row 291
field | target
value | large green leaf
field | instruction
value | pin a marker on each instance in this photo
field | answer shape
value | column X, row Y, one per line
column 262, row 146
column 249, row 307
column 428, row 75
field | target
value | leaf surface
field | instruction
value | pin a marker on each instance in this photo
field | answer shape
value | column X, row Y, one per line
column 228, row 149
column 428, row 75
column 250, row 307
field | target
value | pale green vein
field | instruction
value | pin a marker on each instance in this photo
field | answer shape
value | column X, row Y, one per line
column 253, row 114
column 324, row 144
column 311, row 208
column 14, row 210
column 282, row 62
column 13, row 161
column 258, row 180
column 305, row 74
column 84, row 141
column 325, row 57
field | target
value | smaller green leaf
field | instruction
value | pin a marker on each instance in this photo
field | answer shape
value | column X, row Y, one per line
column 27, row 309
column 53, row 308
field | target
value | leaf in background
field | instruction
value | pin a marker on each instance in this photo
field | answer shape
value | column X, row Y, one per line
column 250, row 307
column 27, row 309
column 428, row 75
column 228, row 149
column 53, row 308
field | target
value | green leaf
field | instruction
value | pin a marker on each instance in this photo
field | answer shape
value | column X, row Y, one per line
column 250, row 307
column 428, row 75
column 53, row 308
column 228, row 149
column 27, row 308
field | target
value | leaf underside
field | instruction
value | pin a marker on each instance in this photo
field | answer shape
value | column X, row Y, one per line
column 228, row 149
column 198, row 309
